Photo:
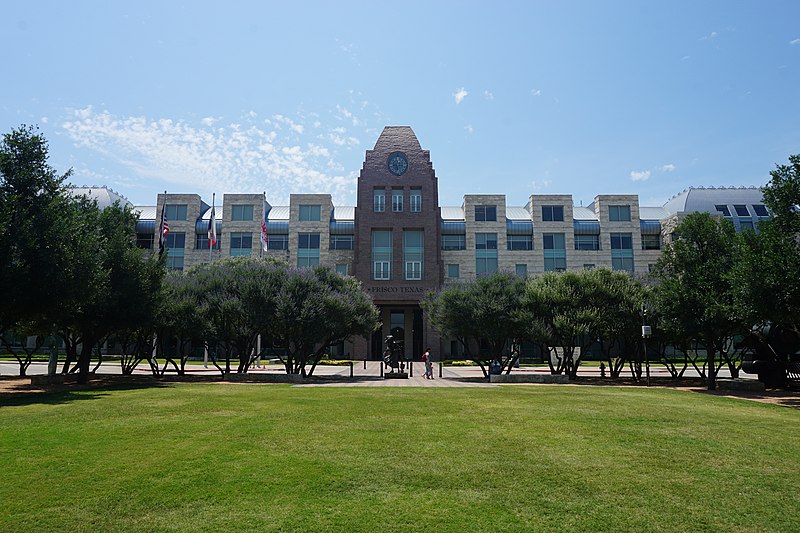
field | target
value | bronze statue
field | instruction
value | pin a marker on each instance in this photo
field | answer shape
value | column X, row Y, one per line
column 393, row 355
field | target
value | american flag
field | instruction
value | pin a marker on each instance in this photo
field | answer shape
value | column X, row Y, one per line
column 162, row 230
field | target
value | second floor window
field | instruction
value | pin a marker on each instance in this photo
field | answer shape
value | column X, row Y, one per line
column 175, row 212
column 241, row 212
column 485, row 213
column 397, row 200
column 619, row 213
column 552, row 213
column 309, row 213
column 379, row 200
column 415, row 200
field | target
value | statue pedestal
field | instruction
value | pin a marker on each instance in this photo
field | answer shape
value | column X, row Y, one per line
column 395, row 375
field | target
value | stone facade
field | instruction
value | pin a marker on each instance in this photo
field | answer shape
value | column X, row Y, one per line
column 484, row 232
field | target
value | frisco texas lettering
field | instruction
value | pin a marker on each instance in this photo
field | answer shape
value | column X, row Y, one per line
column 395, row 289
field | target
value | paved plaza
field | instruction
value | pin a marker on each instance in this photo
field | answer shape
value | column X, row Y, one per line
column 364, row 374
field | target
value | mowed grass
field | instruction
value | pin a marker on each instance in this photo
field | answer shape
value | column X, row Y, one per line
column 280, row 458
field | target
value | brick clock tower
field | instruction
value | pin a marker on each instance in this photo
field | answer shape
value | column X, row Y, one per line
column 397, row 228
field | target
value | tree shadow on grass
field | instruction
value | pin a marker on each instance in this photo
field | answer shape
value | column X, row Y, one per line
column 65, row 394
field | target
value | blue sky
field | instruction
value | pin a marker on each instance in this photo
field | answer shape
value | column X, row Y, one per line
column 518, row 98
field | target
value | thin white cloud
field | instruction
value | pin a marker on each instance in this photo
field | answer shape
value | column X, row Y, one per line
column 208, row 121
column 45, row 120
column 460, row 94
column 540, row 185
column 232, row 157
column 668, row 167
column 794, row 41
column 684, row 58
column 488, row 95
column 641, row 175
column 469, row 129
column 710, row 37
column 536, row 92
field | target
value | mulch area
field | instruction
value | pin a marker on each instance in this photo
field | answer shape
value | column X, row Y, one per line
column 16, row 389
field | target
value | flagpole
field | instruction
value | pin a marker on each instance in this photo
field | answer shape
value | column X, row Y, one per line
column 212, row 221
column 263, row 223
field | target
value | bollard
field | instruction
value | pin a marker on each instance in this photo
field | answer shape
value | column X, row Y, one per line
column 381, row 368
column 351, row 369
column 440, row 369
column 365, row 364
column 411, row 368
column 602, row 370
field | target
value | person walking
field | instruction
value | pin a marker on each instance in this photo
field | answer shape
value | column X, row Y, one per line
column 426, row 357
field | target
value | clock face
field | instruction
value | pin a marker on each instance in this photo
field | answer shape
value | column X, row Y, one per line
column 398, row 164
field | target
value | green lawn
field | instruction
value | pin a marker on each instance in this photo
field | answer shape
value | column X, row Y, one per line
column 272, row 457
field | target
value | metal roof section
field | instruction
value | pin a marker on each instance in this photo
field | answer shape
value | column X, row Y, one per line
column 650, row 227
column 653, row 213
column 343, row 227
column 706, row 198
column 586, row 227
column 454, row 227
column 517, row 213
column 201, row 226
column 583, row 213
column 519, row 227
column 345, row 212
column 452, row 213
column 207, row 213
column 146, row 212
column 104, row 195
column 278, row 212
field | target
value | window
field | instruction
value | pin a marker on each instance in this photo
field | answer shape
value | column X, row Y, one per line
column 485, row 213
column 741, row 210
column 452, row 270
column 415, row 200
column 651, row 242
column 397, row 200
column 619, row 213
column 381, row 254
column 621, row 241
column 485, row 253
column 486, row 241
column 587, row 242
column 175, row 212
column 519, row 242
column 746, row 225
column 341, row 242
column 723, row 209
column 241, row 244
column 413, row 250
column 454, row 242
column 521, row 270
column 588, row 266
column 760, row 210
column 622, row 252
column 201, row 242
column 277, row 242
column 342, row 269
column 379, row 200
column 310, row 213
column 241, row 212
column 307, row 250
column 145, row 240
column 555, row 254
column 552, row 213
column 175, row 243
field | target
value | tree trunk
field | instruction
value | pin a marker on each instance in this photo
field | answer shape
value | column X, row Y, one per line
column 84, row 360
column 712, row 370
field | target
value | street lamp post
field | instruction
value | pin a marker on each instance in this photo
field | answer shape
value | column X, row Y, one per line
column 646, row 332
